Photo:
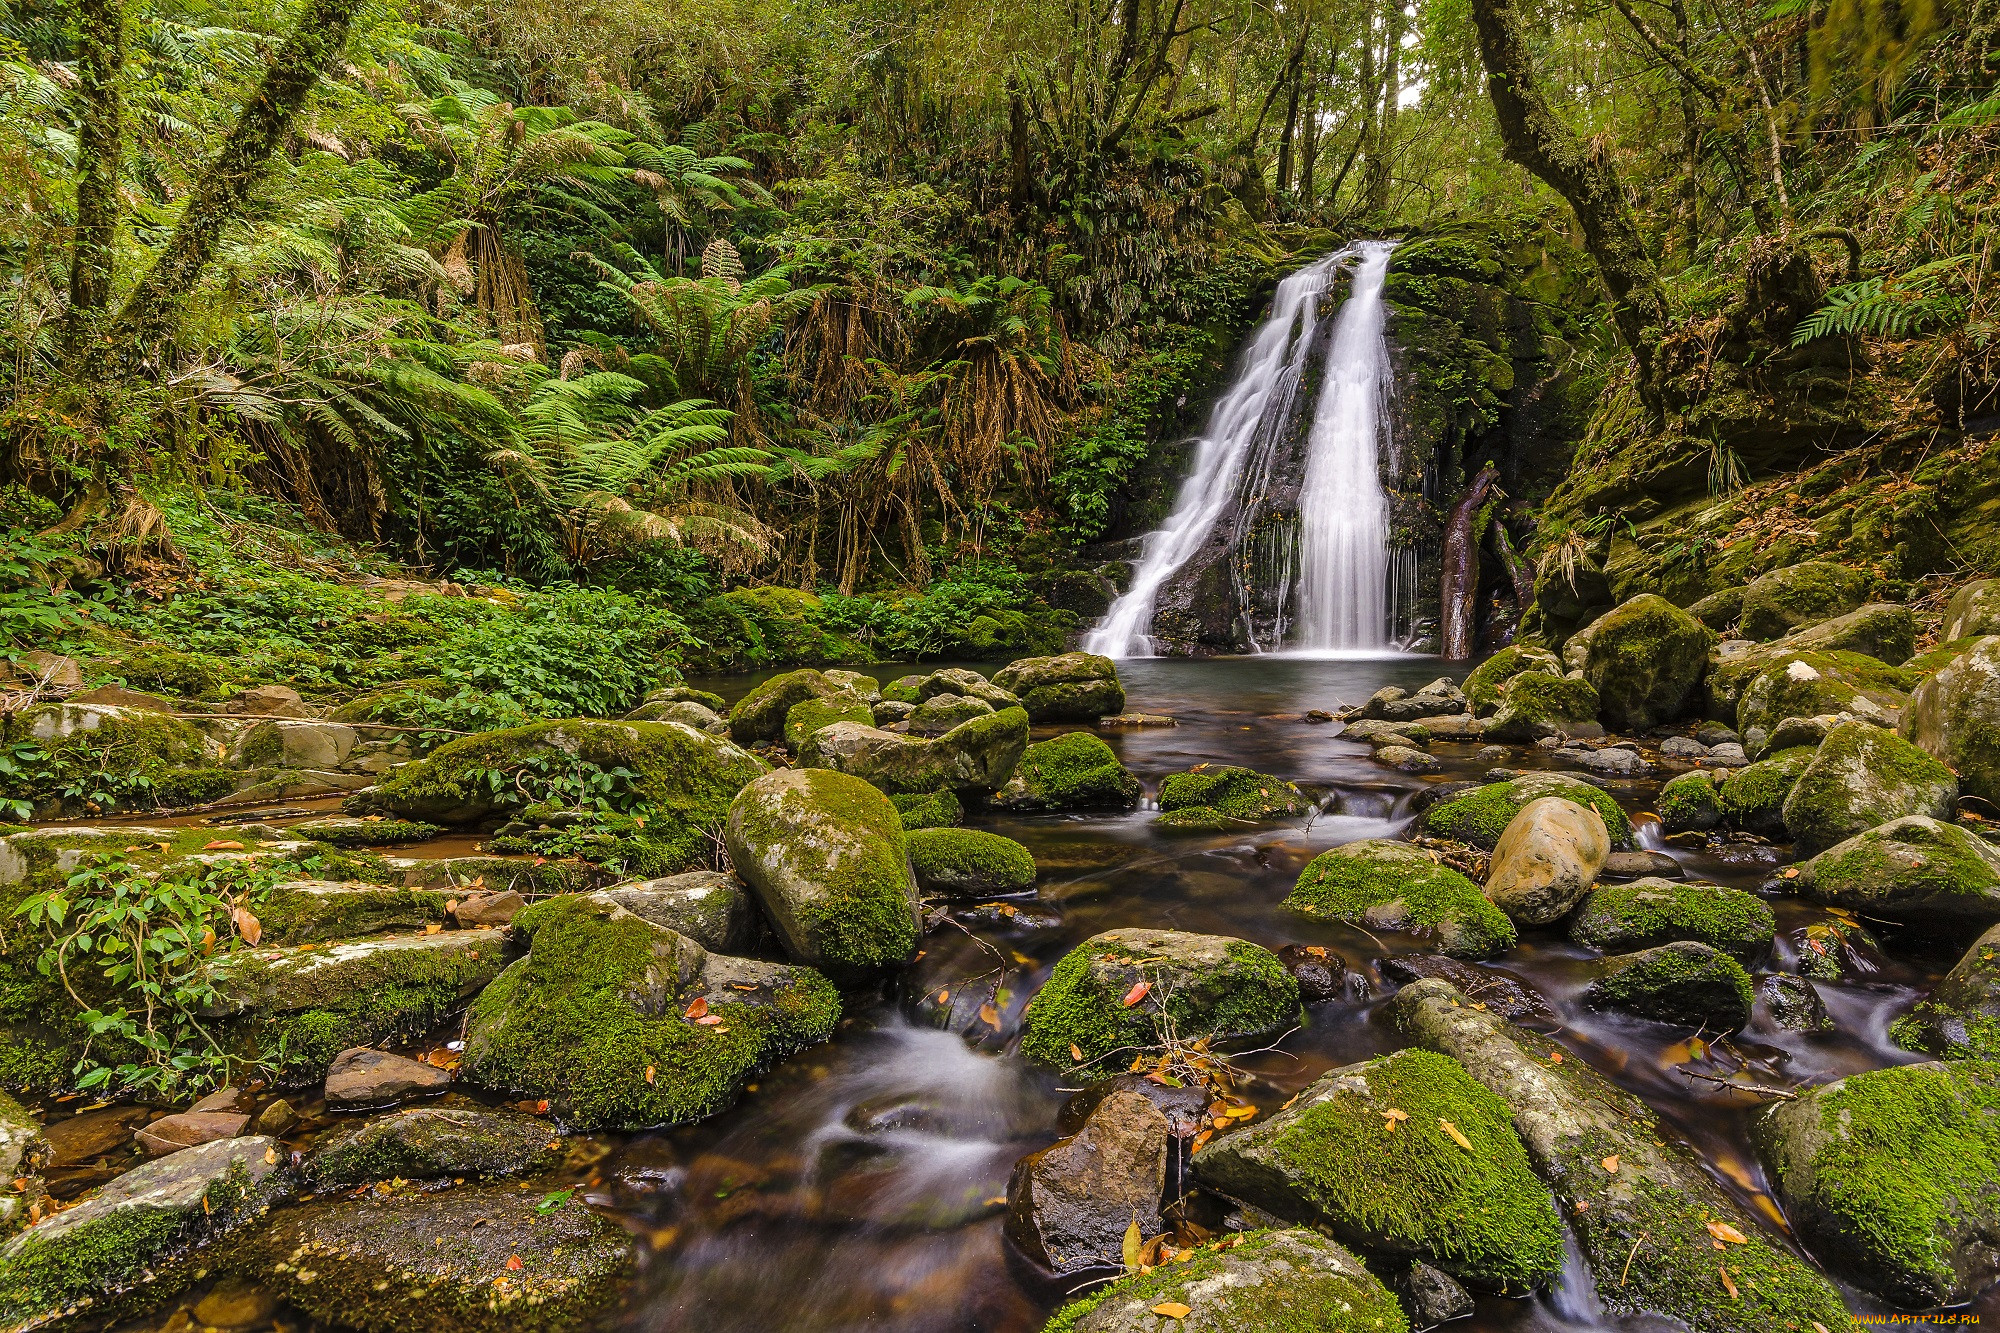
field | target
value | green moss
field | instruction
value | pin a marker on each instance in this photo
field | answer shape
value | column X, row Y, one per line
column 1075, row 771
column 296, row 914
column 1753, row 799
column 1689, row 802
column 1245, row 992
column 1802, row 594
column 1684, row 982
column 955, row 860
column 809, row 715
column 434, row 1141
column 562, row 1024
column 373, row 833
column 1541, row 703
column 932, row 809
column 1394, row 886
column 119, row 763
column 1480, row 817
column 1644, row 660
column 1313, row 1301
column 1860, row 778
column 170, row 672
column 1197, row 819
column 1237, row 793
column 1407, row 1187
column 1647, row 912
column 904, row 690
column 1487, row 680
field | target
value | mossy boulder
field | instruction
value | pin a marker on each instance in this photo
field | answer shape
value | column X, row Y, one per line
column 965, row 684
column 1644, row 1227
column 960, row 862
column 904, row 690
column 427, row 1142
column 1192, row 986
column 929, row 809
column 299, row 1007
column 1540, row 703
column 760, row 715
column 608, row 1017
column 1074, row 771
column 1810, row 685
column 1915, row 871
column 1645, row 661
column 1735, row 664
column 1069, row 687
column 116, row 1238
column 1483, row 687
column 1720, row 610
column 827, row 857
column 1400, row 1188
column 1691, row 803
column 941, row 712
column 93, row 757
column 1881, row 630
column 1383, row 885
column 1236, row 795
column 343, row 831
column 1860, row 777
column 710, row 907
column 1972, row 612
column 1482, row 815
column 1954, row 716
column 681, row 779
column 475, row 1259
column 1752, row 799
column 1618, row 918
column 807, row 716
column 1685, row 982
column 1960, row 1018
column 1805, row 594
column 1893, row 1177
column 1250, row 1282
column 975, row 756
column 307, row 910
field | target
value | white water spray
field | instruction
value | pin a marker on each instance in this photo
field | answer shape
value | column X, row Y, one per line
column 1344, row 511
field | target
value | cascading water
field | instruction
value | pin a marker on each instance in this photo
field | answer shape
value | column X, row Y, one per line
column 1343, row 566
column 1343, row 510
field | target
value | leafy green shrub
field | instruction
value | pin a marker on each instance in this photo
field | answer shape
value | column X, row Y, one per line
column 570, row 653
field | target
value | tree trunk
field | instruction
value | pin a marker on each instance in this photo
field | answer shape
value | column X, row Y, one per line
column 1371, row 97
column 100, row 117
column 1017, row 143
column 1518, row 573
column 226, row 185
column 1458, row 594
column 1392, row 90
column 1534, row 137
column 1309, row 150
column 1294, row 70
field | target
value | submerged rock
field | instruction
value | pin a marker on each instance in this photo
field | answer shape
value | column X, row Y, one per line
column 1955, row 717
column 1683, row 982
column 1645, row 661
column 1961, row 1016
column 434, row 1141
column 1648, row 912
column 959, row 862
column 1068, row 1206
column 1892, row 1178
column 1248, row 1282
column 1638, row 1200
column 1121, row 990
column 1384, row 885
column 364, row 1076
column 1481, row 815
column 1340, row 1158
column 1547, row 860
column 1859, row 778
column 1070, row 687
column 829, row 862
column 1321, row 973
column 1075, row 771
column 1915, row 871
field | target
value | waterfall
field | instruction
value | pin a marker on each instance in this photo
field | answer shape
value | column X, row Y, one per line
column 1342, row 559
column 1343, row 510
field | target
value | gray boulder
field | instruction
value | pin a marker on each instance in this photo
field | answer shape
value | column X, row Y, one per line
column 1954, row 716
column 1973, row 610
column 1803, row 594
column 939, row 713
column 1881, row 630
column 710, row 907
column 1068, row 1206
column 1685, row 982
column 979, row 755
column 1961, row 1016
column 966, row 684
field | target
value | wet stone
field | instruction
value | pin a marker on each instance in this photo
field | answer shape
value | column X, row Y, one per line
column 1068, row 1206
column 1501, row 992
column 1321, row 974
column 171, row 1134
column 365, row 1077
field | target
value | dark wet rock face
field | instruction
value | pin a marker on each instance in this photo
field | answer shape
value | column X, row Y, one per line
column 1794, row 1003
column 1321, row 974
column 365, row 1077
column 1961, row 1017
column 1069, row 1205
column 1499, row 991
column 1684, row 982
column 1185, row 1107
column 435, row 1141
column 1431, row 1296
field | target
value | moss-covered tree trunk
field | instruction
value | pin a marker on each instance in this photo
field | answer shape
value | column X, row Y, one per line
column 100, row 103
column 1458, row 600
column 1536, row 138
column 226, row 185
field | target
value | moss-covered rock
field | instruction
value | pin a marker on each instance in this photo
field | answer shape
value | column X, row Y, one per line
column 1238, row 795
column 476, row 1259
column 1684, row 982
column 807, row 716
column 904, row 690
column 1690, row 803
column 680, row 779
column 1955, row 717
column 941, row 712
column 609, row 1018
column 1720, row 610
column 930, row 809
column 299, row 1007
column 1481, row 816
column 1752, row 799
column 710, row 907
column 975, row 756
column 1644, row 1227
column 1860, row 777
column 1973, row 611
column 1881, row 630
column 1622, row 917
column 1915, row 871
column 88, row 758
column 1074, row 771
column 1192, row 985
column 827, row 857
column 1893, row 1177
column 1802, row 594
column 1483, row 687
column 307, row 910
column 1400, row 1188
column 760, row 714
column 1960, row 1018
column 967, row 685
column 1251, row 1282
column 1809, row 684
column 1383, row 885
column 1535, row 704
column 350, row 832
column 1735, row 664
column 1645, row 661
column 432, row 1141
column 1069, row 687
column 114, row 1240
column 958, row 862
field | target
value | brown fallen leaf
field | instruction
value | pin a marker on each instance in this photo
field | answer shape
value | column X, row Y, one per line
column 1076, row 1053
column 1136, row 994
column 247, row 925
column 513, row 1263
column 1456, row 1137
column 1135, row 1243
column 1555, row 1057
column 989, row 1016
column 709, row 1021
column 1723, row 1231
column 1172, row 1310
column 1611, row 1164
column 222, row 845
column 1731, row 1286
column 650, row 1073
column 696, row 1007
column 432, row 928
column 1392, row 1117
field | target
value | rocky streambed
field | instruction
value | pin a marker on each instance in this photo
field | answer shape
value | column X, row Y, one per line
column 1351, row 999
